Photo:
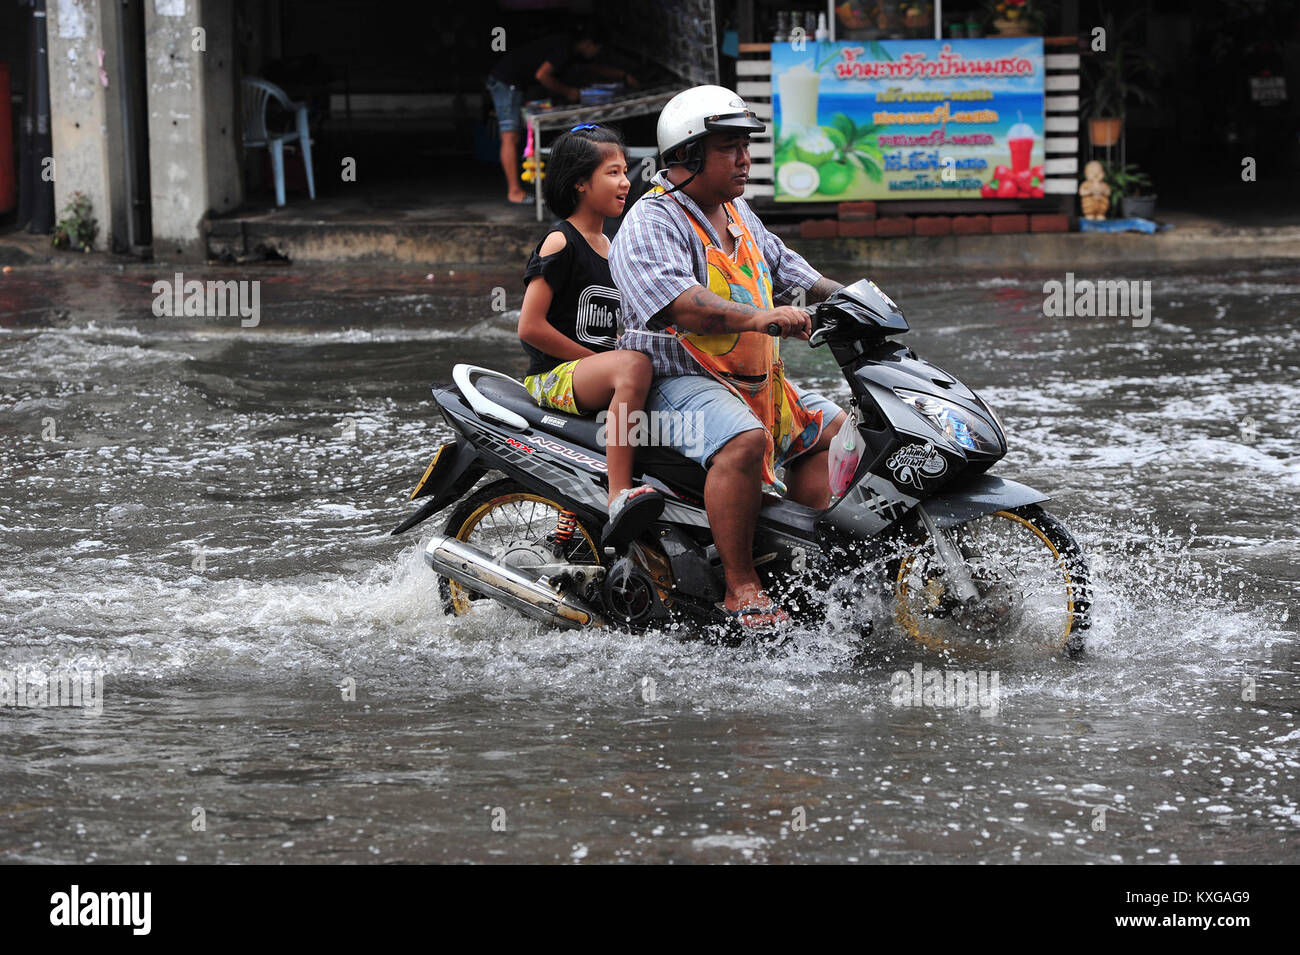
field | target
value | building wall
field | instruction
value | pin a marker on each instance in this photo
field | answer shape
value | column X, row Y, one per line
column 87, row 142
column 194, row 148
column 194, row 151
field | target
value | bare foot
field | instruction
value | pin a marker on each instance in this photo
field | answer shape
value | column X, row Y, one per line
column 517, row 197
column 754, row 608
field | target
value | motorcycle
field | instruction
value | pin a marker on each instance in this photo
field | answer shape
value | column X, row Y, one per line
column 971, row 561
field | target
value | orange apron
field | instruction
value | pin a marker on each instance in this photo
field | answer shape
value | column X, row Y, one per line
column 749, row 363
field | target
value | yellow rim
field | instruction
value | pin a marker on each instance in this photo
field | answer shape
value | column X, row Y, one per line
column 460, row 597
column 912, row 626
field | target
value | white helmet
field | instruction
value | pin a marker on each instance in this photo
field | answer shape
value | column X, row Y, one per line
column 693, row 114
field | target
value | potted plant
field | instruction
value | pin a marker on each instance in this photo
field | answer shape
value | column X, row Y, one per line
column 78, row 227
column 1115, row 77
column 1131, row 191
column 1106, row 114
column 1017, row 17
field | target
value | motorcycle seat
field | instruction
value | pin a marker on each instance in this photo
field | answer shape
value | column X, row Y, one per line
column 583, row 430
column 580, row 429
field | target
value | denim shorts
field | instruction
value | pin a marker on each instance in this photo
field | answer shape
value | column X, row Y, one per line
column 509, row 102
column 707, row 415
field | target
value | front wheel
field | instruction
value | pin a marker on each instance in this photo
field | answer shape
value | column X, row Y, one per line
column 1031, row 583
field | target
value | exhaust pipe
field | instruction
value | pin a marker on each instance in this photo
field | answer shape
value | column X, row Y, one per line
column 474, row 568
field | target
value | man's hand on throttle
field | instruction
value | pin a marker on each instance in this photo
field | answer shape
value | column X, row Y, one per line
column 794, row 322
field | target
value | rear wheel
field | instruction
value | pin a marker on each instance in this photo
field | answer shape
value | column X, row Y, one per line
column 1032, row 583
column 517, row 527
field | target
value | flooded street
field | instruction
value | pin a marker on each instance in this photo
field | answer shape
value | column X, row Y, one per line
column 200, row 511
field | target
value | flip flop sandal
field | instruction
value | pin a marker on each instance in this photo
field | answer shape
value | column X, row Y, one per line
column 772, row 610
column 633, row 511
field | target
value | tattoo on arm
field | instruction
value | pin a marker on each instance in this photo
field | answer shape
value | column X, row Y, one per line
column 713, row 314
column 822, row 289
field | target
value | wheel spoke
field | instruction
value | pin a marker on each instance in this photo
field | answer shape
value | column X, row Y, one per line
column 1025, row 598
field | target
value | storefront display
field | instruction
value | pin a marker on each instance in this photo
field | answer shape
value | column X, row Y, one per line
column 909, row 119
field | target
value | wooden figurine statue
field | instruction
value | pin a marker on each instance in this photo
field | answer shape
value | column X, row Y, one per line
column 1094, row 194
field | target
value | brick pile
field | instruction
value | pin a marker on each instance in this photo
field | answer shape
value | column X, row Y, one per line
column 860, row 219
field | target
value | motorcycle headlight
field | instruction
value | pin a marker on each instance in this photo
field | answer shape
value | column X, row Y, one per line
column 958, row 425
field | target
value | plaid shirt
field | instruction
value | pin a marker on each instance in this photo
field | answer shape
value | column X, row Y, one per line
column 657, row 256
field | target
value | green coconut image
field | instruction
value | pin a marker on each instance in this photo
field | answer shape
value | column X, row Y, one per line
column 816, row 146
column 797, row 179
column 835, row 161
column 834, row 177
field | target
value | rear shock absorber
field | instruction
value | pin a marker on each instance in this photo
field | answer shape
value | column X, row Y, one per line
column 565, row 524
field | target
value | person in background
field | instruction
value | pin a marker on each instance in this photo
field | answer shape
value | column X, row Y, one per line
column 540, row 61
column 568, row 323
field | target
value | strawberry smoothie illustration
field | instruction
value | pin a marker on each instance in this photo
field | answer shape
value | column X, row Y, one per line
column 1020, row 140
column 1019, row 180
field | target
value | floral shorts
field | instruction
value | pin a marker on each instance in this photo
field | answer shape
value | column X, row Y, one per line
column 554, row 388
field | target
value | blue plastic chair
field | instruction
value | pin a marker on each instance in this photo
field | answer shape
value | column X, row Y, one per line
column 257, row 97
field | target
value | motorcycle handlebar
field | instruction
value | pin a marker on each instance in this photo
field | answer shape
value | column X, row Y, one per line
column 774, row 329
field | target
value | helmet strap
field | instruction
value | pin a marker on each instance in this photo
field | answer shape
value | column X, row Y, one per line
column 693, row 163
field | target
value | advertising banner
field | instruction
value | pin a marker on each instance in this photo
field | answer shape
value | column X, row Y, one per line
column 908, row 119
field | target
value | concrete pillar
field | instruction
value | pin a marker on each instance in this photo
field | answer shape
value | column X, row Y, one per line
column 194, row 151
column 85, row 112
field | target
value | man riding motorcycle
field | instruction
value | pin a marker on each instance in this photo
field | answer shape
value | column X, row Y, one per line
column 700, row 280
